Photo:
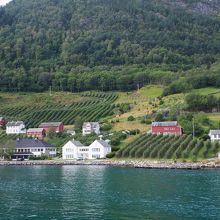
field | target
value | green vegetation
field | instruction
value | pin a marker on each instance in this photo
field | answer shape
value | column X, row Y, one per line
column 169, row 147
column 90, row 106
column 104, row 44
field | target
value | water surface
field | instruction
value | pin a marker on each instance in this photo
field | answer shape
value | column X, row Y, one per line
column 107, row 193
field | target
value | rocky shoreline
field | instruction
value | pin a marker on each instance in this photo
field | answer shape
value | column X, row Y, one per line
column 120, row 163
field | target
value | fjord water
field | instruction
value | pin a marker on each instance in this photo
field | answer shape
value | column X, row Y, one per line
column 90, row 192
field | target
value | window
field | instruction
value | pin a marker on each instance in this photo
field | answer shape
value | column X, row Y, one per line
column 95, row 156
column 95, row 149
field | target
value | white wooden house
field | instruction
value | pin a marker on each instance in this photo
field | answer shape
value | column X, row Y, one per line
column 214, row 135
column 15, row 127
column 75, row 150
column 91, row 127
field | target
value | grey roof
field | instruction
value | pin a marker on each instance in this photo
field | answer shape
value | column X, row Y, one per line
column 103, row 143
column 50, row 124
column 92, row 124
column 165, row 123
column 32, row 143
column 77, row 143
column 15, row 123
column 214, row 132
column 35, row 130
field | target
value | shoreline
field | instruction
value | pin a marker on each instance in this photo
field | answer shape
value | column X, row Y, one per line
column 120, row 163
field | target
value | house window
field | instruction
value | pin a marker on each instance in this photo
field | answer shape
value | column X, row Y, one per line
column 95, row 149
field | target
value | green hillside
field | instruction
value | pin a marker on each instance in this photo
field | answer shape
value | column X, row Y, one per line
column 76, row 45
column 36, row 108
column 169, row 147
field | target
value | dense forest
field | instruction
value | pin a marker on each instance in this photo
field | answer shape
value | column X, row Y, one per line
column 77, row 45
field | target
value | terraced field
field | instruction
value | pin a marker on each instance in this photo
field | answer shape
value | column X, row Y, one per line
column 169, row 147
column 90, row 107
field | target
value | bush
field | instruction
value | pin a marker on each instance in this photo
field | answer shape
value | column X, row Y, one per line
column 115, row 148
column 131, row 118
column 110, row 155
column 106, row 127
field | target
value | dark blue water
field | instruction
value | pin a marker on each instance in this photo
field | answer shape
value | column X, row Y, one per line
column 80, row 192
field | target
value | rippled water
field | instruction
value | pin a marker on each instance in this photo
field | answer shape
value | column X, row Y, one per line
column 81, row 192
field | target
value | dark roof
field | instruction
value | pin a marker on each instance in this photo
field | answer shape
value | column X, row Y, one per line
column 77, row 143
column 103, row 143
column 15, row 123
column 214, row 132
column 165, row 123
column 31, row 143
column 50, row 124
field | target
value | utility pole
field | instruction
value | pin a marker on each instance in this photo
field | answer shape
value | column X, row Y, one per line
column 193, row 128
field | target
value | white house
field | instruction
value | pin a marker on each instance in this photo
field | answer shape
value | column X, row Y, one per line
column 219, row 155
column 24, row 148
column 75, row 150
column 214, row 135
column 99, row 149
column 90, row 127
column 15, row 127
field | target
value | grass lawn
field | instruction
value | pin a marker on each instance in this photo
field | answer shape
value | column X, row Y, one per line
column 144, row 94
column 207, row 91
column 214, row 116
column 31, row 99
column 127, row 125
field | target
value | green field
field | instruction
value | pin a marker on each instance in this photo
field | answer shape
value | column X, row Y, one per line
column 169, row 147
column 36, row 108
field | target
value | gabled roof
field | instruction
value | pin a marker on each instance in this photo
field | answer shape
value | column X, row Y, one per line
column 14, row 123
column 50, row 124
column 103, row 143
column 214, row 132
column 32, row 143
column 77, row 143
column 32, row 130
column 165, row 123
column 92, row 124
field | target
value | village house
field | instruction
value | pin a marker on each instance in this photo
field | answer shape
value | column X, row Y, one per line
column 57, row 127
column 15, row 127
column 91, row 127
column 3, row 121
column 75, row 150
column 25, row 148
column 39, row 133
column 166, row 128
column 214, row 135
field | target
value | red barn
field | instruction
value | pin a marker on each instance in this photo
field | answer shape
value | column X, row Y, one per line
column 166, row 128
column 3, row 121
column 52, row 126
column 39, row 133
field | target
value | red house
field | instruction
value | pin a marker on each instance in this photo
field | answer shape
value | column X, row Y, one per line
column 52, row 126
column 3, row 121
column 39, row 133
column 166, row 128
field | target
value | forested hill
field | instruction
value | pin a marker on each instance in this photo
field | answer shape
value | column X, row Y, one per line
column 58, row 42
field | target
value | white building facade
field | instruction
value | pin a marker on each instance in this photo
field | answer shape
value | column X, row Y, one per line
column 91, row 127
column 15, row 127
column 214, row 135
column 25, row 148
column 73, row 150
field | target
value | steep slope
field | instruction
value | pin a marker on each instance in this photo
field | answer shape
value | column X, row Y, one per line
column 41, row 38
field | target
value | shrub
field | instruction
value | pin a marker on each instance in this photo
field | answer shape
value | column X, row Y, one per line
column 110, row 155
column 131, row 118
